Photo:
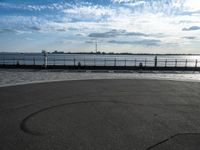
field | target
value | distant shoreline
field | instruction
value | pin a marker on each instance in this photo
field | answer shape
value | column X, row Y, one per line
column 98, row 53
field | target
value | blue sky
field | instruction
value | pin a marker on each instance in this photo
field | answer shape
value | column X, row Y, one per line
column 137, row 26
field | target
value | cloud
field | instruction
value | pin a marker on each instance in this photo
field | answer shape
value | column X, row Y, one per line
column 189, row 37
column 35, row 28
column 192, row 28
column 8, row 31
column 80, row 35
column 73, row 29
column 192, row 5
column 89, row 42
column 145, row 42
column 91, row 19
column 115, row 33
column 61, row 30
column 33, row 6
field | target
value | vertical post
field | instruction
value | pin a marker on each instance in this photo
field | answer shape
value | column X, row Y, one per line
column 135, row 62
column 155, row 61
column 185, row 63
column 74, row 62
column 17, row 62
column 196, row 62
column 3, row 60
column 45, row 59
column 94, row 62
column 115, row 62
column 34, row 61
column 96, row 47
column 166, row 63
column 175, row 62
column 125, row 62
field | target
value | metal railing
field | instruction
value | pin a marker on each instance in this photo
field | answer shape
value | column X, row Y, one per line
column 101, row 62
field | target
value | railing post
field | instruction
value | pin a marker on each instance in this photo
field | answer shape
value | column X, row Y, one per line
column 166, row 63
column 94, row 62
column 74, row 62
column 115, row 62
column 3, row 60
column 17, row 62
column 45, row 59
column 135, row 62
column 155, row 61
column 175, row 62
column 196, row 62
column 185, row 63
column 34, row 61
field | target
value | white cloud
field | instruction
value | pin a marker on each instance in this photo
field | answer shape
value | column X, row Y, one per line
column 89, row 13
column 149, row 17
column 32, row 7
column 102, row 18
column 192, row 5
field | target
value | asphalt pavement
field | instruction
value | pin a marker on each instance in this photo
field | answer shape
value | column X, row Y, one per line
column 101, row 115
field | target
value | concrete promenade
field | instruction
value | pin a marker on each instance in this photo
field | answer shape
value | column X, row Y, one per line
column 101, row 115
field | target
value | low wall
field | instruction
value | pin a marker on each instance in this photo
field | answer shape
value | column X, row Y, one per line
column 100, row 67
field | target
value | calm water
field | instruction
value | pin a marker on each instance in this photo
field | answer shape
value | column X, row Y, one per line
column 98, row 60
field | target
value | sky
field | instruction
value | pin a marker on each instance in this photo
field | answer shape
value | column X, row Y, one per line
column 135, row 26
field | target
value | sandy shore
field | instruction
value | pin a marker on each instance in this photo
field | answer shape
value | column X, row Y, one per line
column 20, row 76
